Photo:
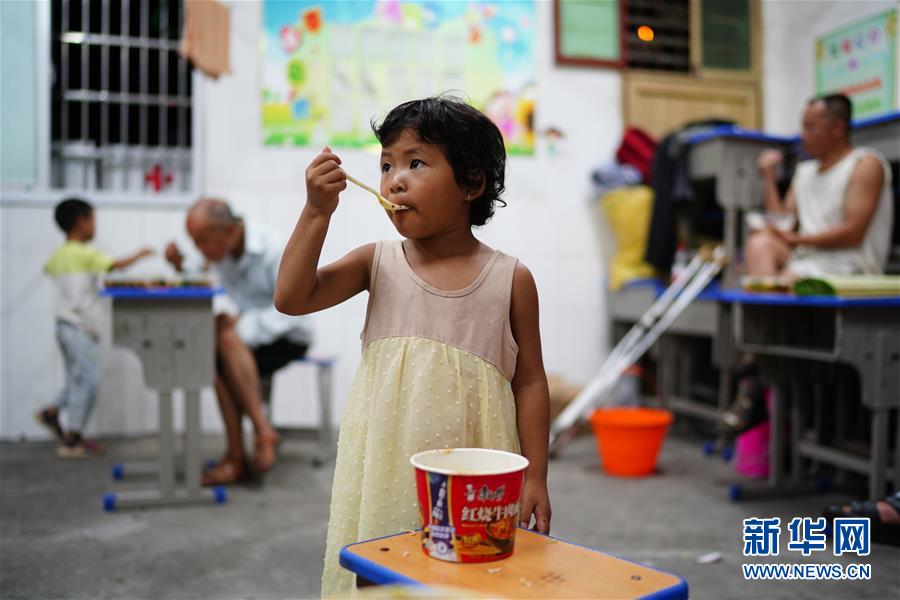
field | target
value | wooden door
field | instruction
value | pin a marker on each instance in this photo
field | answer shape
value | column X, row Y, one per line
column 660, row 102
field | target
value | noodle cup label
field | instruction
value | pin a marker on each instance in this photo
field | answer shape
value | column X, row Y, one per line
column 469, row 502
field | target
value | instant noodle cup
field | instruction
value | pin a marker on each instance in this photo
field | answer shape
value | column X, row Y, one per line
column 469, row 502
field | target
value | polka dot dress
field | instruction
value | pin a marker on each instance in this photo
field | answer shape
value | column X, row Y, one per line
column 435, row 373
column 409, row 394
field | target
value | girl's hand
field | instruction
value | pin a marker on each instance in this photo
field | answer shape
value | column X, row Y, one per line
column 535, row 502
column 324, row 181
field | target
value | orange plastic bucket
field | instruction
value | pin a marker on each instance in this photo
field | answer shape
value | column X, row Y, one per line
column 629, row 439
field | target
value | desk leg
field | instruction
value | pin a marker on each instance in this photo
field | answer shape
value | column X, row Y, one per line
column 796, row 427
column 731, row 225
column 166, row 445
column 897, row 454
column 192, row 437
column 166, row 494
column 878, row 463
column 776, row 443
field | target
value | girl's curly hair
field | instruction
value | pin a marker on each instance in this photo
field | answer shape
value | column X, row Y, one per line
column 471, row 142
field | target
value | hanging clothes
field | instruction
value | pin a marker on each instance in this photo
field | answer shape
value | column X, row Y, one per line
column 672, row 186
column 637, row 149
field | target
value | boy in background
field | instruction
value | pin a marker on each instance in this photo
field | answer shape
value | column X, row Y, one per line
column 76, row 269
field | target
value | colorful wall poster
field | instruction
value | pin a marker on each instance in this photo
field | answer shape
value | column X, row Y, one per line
column 331, row 67
column 861, row 62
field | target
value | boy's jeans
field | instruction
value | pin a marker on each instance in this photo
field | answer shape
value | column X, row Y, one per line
column 81, row 353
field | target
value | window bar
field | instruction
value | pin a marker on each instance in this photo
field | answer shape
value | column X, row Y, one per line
column 142, row 125
column 63, row 88
column 124, row 106
column 85, row 74
column 163, row 90
column 106, row 162
column 183, row 74
column 150, row 99
column 99, row 38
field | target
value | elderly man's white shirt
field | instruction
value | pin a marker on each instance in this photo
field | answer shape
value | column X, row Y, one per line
column 249, row 282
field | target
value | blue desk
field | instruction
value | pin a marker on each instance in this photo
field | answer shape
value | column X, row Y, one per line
column 787, row 332
column 540, row 567
column 163, row 293
column 173, row 334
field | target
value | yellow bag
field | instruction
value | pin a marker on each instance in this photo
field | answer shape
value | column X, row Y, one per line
column 628, row 210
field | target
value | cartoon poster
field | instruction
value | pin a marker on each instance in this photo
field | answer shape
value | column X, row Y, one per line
column 861, row 62
column 332, row 67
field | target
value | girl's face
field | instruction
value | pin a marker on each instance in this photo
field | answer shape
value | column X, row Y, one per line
column 416, row 174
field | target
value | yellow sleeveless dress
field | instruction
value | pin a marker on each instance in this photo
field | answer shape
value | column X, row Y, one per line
column 435, row 373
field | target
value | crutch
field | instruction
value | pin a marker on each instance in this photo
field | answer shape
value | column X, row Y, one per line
column 658, row 307
column 564, row 426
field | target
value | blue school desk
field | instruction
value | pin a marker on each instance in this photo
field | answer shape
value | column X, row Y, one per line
column 787, row 333
column 540, row 567
column 172, row 332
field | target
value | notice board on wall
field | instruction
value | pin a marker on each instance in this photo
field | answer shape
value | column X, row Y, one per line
column 861, row 61
column 330, row 68
column 589, row 33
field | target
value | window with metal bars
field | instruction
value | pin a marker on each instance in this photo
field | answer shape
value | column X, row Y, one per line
column 121, row 100
column 670, row 48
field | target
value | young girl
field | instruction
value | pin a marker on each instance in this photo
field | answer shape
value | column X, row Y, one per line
column 451, row 345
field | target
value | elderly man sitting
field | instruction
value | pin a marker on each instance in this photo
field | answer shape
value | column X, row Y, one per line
column 841, row 200
column 257, row 342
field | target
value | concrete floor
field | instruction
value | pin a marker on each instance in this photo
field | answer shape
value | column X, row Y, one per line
column 267, row 542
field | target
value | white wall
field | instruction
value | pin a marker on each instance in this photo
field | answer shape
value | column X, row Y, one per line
column 790, row 29
column 547, row 224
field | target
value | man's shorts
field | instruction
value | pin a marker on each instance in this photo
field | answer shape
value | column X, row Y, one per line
column 273, row 356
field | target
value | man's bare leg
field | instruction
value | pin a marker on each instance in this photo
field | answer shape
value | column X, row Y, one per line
column 233, row 467
column 242, row 378
column 231, row 416
column 765, row 254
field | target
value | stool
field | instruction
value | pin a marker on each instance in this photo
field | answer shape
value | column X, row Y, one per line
column 323, row 433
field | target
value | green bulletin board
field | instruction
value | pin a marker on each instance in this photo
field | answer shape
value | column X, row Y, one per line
column 861, row 62
column 725, row 28
column 588, row 32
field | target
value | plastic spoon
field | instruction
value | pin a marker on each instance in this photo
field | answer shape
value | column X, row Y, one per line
column 387, row 204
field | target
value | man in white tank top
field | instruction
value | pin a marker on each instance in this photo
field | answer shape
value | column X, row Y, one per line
column 841, row 200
